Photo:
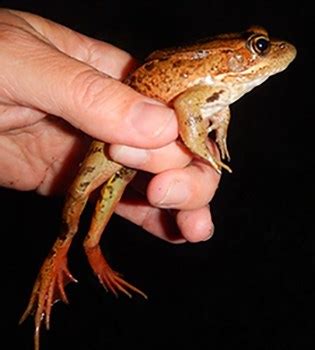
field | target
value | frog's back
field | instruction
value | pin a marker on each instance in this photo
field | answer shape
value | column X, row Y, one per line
column 167, row 73
column 204, row 46
column 239, row 61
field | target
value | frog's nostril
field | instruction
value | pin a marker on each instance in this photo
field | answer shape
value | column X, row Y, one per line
column 283, row 46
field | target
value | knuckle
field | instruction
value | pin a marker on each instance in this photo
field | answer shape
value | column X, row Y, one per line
column 10, row 34
column 86, row 87
column 91, row 88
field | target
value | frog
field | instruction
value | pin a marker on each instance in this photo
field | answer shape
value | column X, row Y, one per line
column 200, row 81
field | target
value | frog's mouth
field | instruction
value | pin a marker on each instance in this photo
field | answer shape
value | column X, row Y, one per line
column 281, row 55
column 284, row 54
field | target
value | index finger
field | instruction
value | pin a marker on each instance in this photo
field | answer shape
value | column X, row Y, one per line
column 100, row 55
column 37, row 75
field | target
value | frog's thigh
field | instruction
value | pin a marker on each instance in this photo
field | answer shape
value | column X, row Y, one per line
column 95, row 170
column 110, row 195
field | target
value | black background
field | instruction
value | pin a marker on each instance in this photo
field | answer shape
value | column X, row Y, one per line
column 250, row 286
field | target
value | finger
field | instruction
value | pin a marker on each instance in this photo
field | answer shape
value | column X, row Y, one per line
column 60, row 85
column 102, row 56
column 195, row 225
column 190, row 225
column 159, row 222
column 15, row 117
column 173, row 155
column 187, row 189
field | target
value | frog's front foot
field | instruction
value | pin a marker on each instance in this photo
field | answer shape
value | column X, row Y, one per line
column 221, row 142
column 109, row 279
column 48, row 288
column 219, row 124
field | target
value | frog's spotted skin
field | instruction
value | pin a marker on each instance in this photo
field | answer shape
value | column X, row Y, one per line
column 199, row 82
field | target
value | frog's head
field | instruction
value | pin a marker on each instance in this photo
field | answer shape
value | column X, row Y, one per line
column 254, row 55
column 266, row 56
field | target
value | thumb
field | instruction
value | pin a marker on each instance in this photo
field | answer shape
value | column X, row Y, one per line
column 37, row 75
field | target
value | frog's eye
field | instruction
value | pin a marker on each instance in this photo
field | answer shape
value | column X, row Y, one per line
column 259, row 44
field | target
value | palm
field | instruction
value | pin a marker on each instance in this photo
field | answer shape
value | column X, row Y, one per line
column 43, row 148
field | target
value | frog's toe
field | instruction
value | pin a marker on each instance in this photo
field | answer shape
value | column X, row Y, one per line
column 218, row 165
column 48, row 289
column 109, row 279
column 115, row 283
column 225, row 153
column 226, row 167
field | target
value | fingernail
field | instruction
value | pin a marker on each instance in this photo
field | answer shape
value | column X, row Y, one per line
column 210, row 234
column 132, row 157
column 176, row 194
column 153, row 119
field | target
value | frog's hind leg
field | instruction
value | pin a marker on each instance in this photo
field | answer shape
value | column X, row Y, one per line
column 54, row 274
column 109, row 197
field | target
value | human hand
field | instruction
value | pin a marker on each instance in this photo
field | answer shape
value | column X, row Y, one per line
column 55, row 88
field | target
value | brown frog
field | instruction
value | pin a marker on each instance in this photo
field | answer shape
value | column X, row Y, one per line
column 200, row 82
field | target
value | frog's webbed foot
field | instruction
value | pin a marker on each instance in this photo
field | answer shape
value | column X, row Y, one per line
column 109, row 197
column 108, row 278
column 49, row 288
column 54, row 274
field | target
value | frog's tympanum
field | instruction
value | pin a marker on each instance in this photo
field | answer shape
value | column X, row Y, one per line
column 200, row 82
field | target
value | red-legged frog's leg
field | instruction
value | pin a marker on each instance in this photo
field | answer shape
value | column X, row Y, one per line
column 194, row 108
column 109, row 197
column 220, row 123
column 54, row 274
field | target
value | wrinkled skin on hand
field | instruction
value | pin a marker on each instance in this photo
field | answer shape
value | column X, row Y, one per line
column 56, row 93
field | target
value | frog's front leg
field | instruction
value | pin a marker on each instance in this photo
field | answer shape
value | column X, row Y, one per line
column 109, row 197
column 219, row 123
column 194, row 107
column 54, row 274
